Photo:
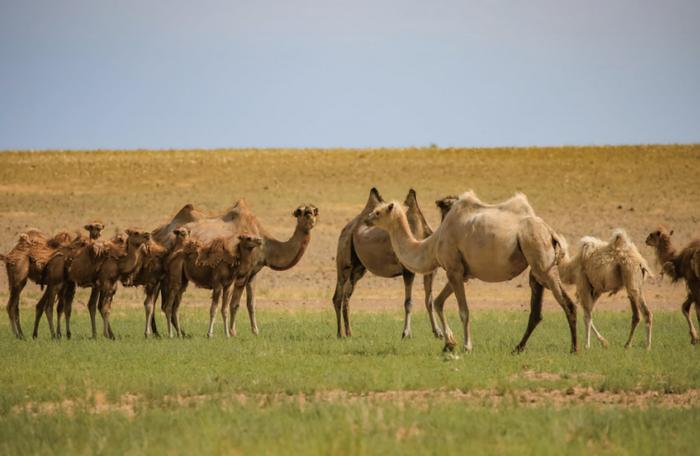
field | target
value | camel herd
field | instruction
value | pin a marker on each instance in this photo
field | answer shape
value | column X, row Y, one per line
column 224, row 253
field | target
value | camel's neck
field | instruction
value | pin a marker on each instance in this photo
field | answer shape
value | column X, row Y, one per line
column 418, row 256
column 132, row 260
column 280, row 255
column 665, row 251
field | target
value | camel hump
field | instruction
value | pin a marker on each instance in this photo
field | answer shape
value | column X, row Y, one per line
column 619, row 239
column 411, row 199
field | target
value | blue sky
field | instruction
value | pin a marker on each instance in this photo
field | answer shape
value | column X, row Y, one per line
column 285, row 73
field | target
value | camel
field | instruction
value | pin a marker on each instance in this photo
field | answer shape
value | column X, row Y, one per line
column 683, row 264
column 100, row 266
column 607, row 267
column 26, row 261
column 362, row 248
column 275, row 254
column 54, row 278
column 490, row 242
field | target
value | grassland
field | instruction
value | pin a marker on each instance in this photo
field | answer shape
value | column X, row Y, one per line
column 297, row 389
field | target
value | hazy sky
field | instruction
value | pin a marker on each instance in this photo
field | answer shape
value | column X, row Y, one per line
column 285, row 73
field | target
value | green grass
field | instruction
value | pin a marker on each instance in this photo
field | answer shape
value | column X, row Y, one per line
column 298, row 354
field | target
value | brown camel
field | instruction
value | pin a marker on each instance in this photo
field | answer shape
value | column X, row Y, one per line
column 684, row 264
column 494, row 243
column 54, row 277
column 362, row 248
column 100, row 266
column 26, row 261
column 277, row 255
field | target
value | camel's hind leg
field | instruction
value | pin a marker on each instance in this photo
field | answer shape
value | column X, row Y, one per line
column 588, row 300
column 40, row 309
column 536, row 292
column 13, row 308
column 149, row 308
column 428, row 288
column 537, row 245
column 234, row 304
column 105, row 308
column 439, row 304
column 407, row 304
column 685, row 308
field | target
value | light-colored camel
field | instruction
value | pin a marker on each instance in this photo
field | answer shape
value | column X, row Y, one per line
column 54, row 277
column 490, row 242
column 362, row 248
column 607, row 267
column 26, row 261
column 277, row 255
column 683, row 264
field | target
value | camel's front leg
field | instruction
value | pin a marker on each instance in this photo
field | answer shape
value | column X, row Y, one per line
column 92, row 309
column 428, row 288
column 234, row 304
column 215, row 297
column 456, row 278
column 250, row 303
column 148, row 306
column 105, row 308
column 39, row 311
column 407, row 304
column 13, row 308
column 67, row 296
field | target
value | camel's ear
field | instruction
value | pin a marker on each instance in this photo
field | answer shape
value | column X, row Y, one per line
column 315, row 209
column 670, row 233
column 390, row 207
column 297, row 212
column 87, row 227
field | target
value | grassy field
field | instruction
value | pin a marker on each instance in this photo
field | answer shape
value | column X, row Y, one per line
column 296, row 388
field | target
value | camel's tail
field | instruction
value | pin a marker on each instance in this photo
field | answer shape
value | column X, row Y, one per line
column 561, row 247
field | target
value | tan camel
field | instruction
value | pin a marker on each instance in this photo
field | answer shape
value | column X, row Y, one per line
column 684, row 264
column 493, row 243
column 26, row 261
column 362, row 248
column 607, row 267
column 277, row 255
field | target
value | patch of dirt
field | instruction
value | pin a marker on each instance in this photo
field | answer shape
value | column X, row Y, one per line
column 422, row 399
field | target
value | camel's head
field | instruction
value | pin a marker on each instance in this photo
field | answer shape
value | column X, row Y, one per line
column 249, row 242
column 137, row 237
column 181, row 232
column 445, row 204
column 661, row 235
column 95, row 229
column 382, row 214
column 306, row 216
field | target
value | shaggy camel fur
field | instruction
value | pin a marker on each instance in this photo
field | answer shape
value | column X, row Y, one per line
column 362, row 248
column 494, row 243
column 54, row 277
column 26, row 261
column 100, row 266
column 680, row 265
column 277, row 255
column 607, row 267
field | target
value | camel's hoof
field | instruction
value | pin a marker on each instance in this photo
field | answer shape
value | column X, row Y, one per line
column 604, row 343
column 517, row 350
column 210, row 335
column 406, row 335
column 448, row 348
column 467, row 350
column 694, row 341
column 438, row 334
column 256, row 331
column 68, row 336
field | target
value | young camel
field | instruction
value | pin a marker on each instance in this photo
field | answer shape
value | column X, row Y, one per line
column 54, row 276
column 362, row 248
column 214, row 267
column 26, row 261
column 607, row 267
column 684, row 264
column 489, row 242
column 100, row 266
column 277, row 255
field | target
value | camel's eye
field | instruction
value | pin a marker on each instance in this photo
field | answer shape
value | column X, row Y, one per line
column 658, row 233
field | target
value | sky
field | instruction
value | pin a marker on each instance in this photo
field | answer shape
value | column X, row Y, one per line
column 363, row 73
